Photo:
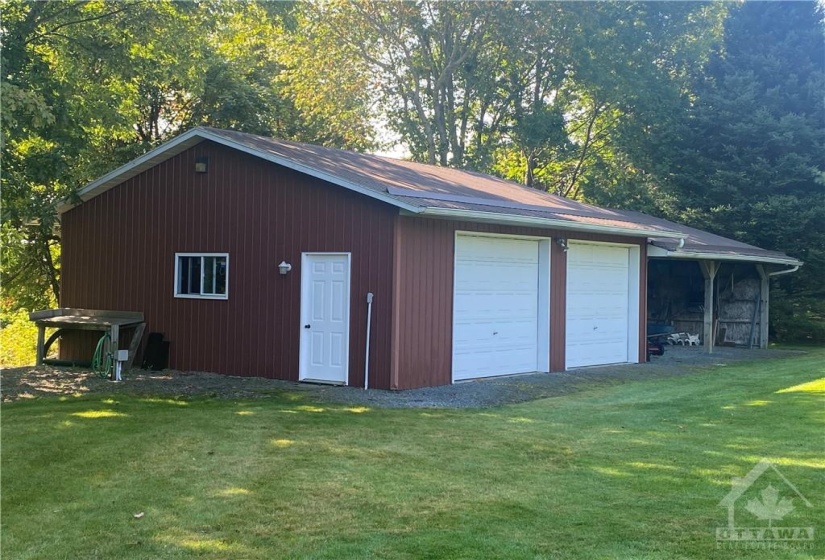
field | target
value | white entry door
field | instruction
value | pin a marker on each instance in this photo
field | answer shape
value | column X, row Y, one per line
column 325, row 299
column 495, row 307
column 599, row 312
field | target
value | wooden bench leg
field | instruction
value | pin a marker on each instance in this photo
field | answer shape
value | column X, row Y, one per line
column 134, row 344
column 41, row 338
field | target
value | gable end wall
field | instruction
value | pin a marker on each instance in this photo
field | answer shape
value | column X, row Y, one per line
column 119, row 247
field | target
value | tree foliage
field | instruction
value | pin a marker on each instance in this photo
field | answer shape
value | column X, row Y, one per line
column 89, row 85
column 534, row 91
column 708, row 113
column 747, row 158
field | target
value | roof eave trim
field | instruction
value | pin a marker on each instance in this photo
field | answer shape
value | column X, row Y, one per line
column 790, row 261
column 111, row 179
column 513, row 219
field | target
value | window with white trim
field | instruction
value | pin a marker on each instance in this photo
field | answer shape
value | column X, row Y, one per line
column 202, row 275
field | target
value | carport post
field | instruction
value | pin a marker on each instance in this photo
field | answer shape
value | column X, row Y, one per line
column 709, row 269
column 764, row 294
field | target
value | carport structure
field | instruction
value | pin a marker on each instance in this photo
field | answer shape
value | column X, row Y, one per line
column 734, row 300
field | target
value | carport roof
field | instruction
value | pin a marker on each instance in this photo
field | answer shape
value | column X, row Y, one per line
column 700, row 244
column 433, row 191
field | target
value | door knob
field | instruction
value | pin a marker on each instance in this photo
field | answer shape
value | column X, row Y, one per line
column 306, row 326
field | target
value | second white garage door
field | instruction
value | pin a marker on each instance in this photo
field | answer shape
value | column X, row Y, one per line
column 600, row 302
column 495, row 309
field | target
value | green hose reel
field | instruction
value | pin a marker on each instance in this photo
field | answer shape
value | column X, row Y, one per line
column 103, row 358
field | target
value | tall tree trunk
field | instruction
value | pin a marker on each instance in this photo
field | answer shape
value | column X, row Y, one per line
column 570, row 189
column 529, row 177
column 43, row 241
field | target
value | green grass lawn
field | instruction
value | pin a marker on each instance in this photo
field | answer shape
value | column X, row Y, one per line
column 629, row 471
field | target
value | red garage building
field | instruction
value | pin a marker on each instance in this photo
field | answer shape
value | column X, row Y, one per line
column 471, row 275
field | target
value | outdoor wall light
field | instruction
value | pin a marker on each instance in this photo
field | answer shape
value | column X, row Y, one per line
column 201, row 165
column 284, row 267
column 562, row 242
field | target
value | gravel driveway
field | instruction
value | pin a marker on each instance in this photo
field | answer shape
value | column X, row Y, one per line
column 27, row 383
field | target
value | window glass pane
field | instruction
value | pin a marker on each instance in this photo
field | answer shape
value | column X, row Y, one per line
column 194, row 275
column 209, row 275
column 183, row 275
column 220, row 276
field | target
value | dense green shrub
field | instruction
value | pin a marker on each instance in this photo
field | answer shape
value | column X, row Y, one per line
column 18, row 339
column 800, row 319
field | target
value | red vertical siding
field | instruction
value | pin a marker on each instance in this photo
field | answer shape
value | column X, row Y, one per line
column 643, row 303
column 119, row 247
column 558, row 307
column 423, row 302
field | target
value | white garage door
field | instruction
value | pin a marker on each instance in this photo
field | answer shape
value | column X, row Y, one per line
column 598, row 304
column 495, row 310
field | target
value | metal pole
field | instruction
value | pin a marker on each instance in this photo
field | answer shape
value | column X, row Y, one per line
column 367, row 352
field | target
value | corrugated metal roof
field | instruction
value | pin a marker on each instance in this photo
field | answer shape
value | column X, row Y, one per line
column 441, row 191
column 699, row 242
column 432, row 187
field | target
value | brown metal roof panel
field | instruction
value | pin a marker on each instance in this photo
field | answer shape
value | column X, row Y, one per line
column 560, row 219
column 417, row 188
column 372, row 172
column 693, row 235
column 409, row 185
column 726, row 253
column 408, row 180
column 573, row 208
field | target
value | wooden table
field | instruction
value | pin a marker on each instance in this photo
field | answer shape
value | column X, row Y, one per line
column 66, row 318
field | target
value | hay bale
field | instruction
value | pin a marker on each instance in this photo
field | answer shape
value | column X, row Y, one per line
column 738, row 333
column 736, row 310
column 746, row 290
